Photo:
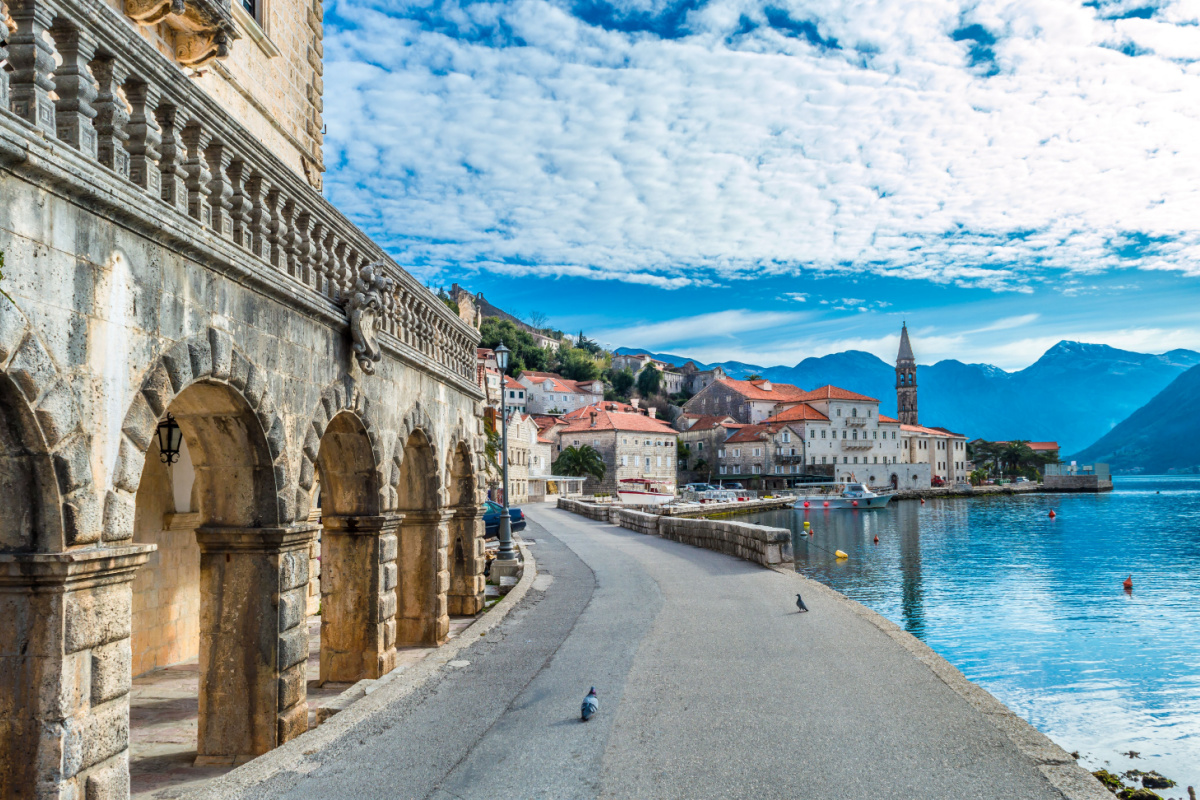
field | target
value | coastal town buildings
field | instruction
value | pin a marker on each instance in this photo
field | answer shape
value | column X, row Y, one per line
column 632, row 444
column 489, row 376
column 695, row 379
column 483, row 308
column 514, row 394
column 906, row 380
column 771, row 454
column 548, row 393
column 522, row 445
column 700, row 437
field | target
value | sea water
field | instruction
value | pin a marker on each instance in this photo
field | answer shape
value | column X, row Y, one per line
column 1031, row 607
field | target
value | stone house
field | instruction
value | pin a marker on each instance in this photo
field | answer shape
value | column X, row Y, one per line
column 522, row 439
column 748, row 402
column 548, row 393
column 944, row 451
column 172, row 268
column 632, row 446
column 766, row 456
column 703, row 436
column 695, row 379
column 514, row 394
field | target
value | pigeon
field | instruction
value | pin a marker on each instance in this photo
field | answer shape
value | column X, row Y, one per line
column 800, row 603
column 591, row 704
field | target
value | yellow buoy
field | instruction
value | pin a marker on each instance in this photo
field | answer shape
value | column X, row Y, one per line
column 805, row 524
column 840, row 554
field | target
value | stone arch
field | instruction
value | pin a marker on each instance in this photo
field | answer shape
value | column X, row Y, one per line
column 466, row 558
column 231, row 565
column 46, row 449
column 209, row 358
column 422, row 616
column 343, row 397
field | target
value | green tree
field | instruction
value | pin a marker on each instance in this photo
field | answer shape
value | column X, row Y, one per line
column 525, row 350
column 649, row 380
column 581, row 461
column 577, row 365
column 590, row 345
column 754, row 376
column 622, row 382
column 683, row 453
column 1015, row 455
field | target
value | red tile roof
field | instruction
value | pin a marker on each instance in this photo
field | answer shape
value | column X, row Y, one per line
column 749, row 433
column 929, row 431
column 618, row 421
column 557, row 382
column 606, row 405
column 752, row 390
column 886, row 418
column 834, row 393
column 511, row 384
column 1036, row 446
column 798, row 413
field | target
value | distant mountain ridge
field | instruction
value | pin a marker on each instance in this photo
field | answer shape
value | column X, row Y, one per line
column 1158, row 437
column 1074, row 394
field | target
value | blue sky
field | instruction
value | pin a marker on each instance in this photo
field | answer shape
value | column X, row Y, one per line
column 765, row 181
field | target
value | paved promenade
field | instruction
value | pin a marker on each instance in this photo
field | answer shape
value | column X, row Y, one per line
column 710, row 684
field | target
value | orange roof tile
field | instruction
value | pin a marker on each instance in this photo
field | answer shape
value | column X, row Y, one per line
column 834, row 393
column 616, row 420
column 798, row 413
column 930, row 431
column 509, row 383
column 886, row 418
column 779, row 392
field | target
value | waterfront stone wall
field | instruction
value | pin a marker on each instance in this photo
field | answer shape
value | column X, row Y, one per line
column 1077, row 483
column 757, row 543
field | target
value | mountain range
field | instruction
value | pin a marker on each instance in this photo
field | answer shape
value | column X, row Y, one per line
column 1074, row 394
column 1158, row 437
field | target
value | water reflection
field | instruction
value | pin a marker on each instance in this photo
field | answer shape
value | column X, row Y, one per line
column 1032, row 608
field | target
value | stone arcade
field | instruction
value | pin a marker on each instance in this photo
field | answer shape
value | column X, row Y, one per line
column 160, row 258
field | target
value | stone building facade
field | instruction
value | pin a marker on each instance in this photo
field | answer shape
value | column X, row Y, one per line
column 702, row 436
column 748, row 402
column 168, row 262
column 632, row 446
column 548, row 393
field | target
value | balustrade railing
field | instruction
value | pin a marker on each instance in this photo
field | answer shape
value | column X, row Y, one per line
column 123, row 106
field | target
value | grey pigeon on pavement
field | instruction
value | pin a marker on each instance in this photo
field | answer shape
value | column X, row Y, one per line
column 590, row 705
column 800, row 603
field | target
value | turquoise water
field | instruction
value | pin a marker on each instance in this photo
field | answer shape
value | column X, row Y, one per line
column 1032, row 608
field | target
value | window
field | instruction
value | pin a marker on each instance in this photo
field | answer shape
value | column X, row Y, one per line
column 844, row 433
column 595, row 441
column 845, row 459
column 722, row 469
column 812, row 433
column 699, row 447
column 839, row 412
column 814, row 461
column 876, row 459
column 647, row 443
column 660, row 461
column 868, row 412
column 874, row 434
column 856, row 459
column 822, row 433
column 757, row 469
column 721, row 453
column 854, row 412
column 855, row 436
column 737, row 452
column 893, row 434
column 758, row 451
column 822, row 459
column 576, row 441
column 647, row 462
column 787, row 437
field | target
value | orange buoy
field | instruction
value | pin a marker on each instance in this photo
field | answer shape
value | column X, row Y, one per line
column 1052, row 514
column 922, row 501
column 1128, row 583
column 876, row 540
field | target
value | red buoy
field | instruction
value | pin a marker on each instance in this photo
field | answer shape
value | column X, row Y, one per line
column 1128, row 584
column 1052, row 514
column 855, row 503
column 922, row 501
column 876, row 540
column 806, row 504
column 827, row 504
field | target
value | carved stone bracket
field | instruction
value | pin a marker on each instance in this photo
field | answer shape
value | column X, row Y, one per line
column 364, row 306
column 204, row 28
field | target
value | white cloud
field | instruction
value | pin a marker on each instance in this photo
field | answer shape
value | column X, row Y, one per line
column 701, row 328
column 799, row 297
column 496, row 136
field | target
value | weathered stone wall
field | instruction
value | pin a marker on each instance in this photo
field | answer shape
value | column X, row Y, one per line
column 594, row 511
column 1076, row 483
column 635, row 520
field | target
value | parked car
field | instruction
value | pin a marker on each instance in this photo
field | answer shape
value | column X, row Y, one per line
column 491, row 519
column 937, row 481
column 699, row 487
column 733, row 485
column 1022, row 479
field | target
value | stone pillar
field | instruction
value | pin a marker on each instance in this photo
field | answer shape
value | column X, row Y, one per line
column 65, row 621
column 171, row 120
column 358, row 597
column 31, row 57
column 253, row 638
column 75, row 88
column 111, row 117
column 422, row 613
column 467, row 561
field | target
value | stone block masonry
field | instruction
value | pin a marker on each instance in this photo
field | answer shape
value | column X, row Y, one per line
column 757, row 543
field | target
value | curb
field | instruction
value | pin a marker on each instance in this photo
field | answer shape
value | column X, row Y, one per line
column 1056, row 764
column 290, row 756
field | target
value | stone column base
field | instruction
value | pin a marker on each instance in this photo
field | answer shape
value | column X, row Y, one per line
column 253, row 638
column 467, row 562
column 65, row 622
column 422, row 611
column 358, row 597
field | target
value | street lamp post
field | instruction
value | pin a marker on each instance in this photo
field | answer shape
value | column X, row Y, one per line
column 507, row 551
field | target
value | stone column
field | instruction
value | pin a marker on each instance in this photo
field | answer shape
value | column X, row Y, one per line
column 31, row 58
column 422, row 614
column 358, row 597
column 65, row 621
column 253, row 638
column 467, row 561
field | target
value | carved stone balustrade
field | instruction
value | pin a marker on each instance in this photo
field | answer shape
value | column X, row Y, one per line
column 120, row 126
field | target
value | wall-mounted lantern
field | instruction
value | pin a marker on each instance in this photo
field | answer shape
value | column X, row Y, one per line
column 169, row 439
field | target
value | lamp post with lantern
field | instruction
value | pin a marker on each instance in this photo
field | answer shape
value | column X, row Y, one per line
column 507, row 552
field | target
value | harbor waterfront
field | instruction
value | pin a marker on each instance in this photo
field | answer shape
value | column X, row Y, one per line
column 1031, row 607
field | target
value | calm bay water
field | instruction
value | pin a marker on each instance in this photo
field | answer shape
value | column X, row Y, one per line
column 1032, row 608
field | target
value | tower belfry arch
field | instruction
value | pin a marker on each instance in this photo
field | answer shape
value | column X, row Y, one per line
column 906, row 380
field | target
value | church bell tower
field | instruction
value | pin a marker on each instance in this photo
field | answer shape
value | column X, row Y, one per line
column 906, row 381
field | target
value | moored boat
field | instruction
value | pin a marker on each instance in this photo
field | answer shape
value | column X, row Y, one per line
column 645, row 491
column 855, row 495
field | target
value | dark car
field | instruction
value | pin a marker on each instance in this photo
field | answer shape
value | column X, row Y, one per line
column 734, row 485
column 491, row 518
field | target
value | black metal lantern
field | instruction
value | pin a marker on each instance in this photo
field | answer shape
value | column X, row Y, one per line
column 169, row 439
column 502, row 357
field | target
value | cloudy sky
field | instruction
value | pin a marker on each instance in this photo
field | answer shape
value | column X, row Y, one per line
column 765, row 181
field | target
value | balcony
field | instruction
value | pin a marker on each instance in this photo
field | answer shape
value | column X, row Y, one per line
column 857, row 444
column 120, row 129
column 790, row 459
column 856, row 422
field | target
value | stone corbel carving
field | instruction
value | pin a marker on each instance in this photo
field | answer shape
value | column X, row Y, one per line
column 197, row 49
column 152, row 12
column 365, row 307
column 203, row 28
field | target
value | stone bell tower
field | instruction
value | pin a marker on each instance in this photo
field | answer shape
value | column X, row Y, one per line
column 906, row 381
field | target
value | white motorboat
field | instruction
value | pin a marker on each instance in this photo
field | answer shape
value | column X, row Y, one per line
column 855, row 495
column 645, row 492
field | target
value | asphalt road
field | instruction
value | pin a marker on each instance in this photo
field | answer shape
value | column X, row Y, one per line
column 710, row 685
